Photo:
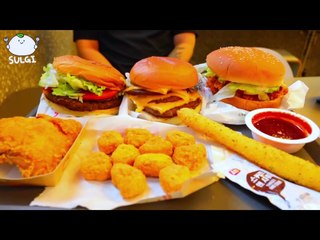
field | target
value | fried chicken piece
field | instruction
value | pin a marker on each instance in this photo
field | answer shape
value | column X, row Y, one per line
column 157, row 144
column 137, row 136
column 179, row 138
column 193, row 156
column 36, row 145
column 151, row 163
column 125, row 154
column 96, row 166
column 109, row 141
column 130, row 181
column 173, row 177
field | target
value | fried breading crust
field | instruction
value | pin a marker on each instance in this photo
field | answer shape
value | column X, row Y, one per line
column 130, row 181
column 157, row 144
column 173, row 177
column 96, row 166
column 109, row 141
column 36, row 145
column 283, row 164
column 137, row 136
column 125, row 153
column 179, row 138
column 151, row 163
column 193, row 156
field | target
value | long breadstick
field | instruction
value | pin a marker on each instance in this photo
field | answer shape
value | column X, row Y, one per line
column 283, row 164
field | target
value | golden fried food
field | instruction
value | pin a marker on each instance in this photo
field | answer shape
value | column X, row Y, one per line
column 283, row 164
column 173, row 177
column 179, row 138
column 193, row 156
column 96, row 166
column 137, row 136
column 109, row 141
column 151, row 163
column 130, row 181
column 125, row 154
column 157, row 144
column 36, row 145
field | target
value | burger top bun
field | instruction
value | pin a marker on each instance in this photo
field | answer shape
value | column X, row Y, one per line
column 247, row 65
column 163, row 72
column 98, row 73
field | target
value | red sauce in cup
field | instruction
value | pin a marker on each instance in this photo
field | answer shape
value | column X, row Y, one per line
column 281, row 125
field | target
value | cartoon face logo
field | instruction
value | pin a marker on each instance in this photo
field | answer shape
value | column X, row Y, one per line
column 22, row 45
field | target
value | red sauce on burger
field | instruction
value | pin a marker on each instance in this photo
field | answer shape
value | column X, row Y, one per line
column 281, row 125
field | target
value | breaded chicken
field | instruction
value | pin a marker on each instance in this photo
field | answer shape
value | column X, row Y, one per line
column 36, row 145
column 130, row 181
column 137, row 136
column 109, row 141
column 151, row 163
column 193, row 156
column 173, row 177
column 179, row 138
column 157, row 144
column 125, row 154
column 96, row 166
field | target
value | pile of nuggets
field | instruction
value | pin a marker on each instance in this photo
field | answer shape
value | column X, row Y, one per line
column 128, row 160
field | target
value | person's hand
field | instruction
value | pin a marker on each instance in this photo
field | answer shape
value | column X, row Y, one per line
column 184, row 46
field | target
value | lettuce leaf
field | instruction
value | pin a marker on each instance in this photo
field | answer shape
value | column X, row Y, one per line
column 67, row 84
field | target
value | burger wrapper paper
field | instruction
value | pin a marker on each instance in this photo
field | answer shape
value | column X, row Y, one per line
column 73, row 190
column 219, row 111
column 281, row 193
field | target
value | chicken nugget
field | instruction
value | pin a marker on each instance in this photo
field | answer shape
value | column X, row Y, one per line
column 130, row 181
column 173, row 177
column 125, row 154
column 157, row 144
column 109, row 141
column 137, row 136
column 96, row 166
column 193, row 156
column 151, row 163
column 179, row 138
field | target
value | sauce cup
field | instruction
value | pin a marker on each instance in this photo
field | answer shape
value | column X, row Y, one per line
column 283, row 129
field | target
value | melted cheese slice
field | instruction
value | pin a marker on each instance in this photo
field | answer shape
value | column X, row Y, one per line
column 145, row 101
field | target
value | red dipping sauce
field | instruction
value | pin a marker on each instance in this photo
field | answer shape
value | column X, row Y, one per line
column 281, row 125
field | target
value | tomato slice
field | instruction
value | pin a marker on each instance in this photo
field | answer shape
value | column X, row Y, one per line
column 105, row 95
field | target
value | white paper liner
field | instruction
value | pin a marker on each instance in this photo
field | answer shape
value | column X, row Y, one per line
column 73, row 190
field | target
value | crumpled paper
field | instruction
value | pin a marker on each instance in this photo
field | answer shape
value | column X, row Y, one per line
column 226, row 113
column 281, row 193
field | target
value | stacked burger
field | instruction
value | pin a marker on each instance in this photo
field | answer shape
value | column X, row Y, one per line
column 81, row 85
column 253, row 76
column 160, row 86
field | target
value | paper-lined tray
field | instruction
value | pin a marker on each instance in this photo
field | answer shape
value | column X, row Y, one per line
column 10, row 175
column 73, row 190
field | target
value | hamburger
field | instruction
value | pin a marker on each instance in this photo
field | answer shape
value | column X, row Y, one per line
column 161, row 86
column 80, row 85
column 254, row 76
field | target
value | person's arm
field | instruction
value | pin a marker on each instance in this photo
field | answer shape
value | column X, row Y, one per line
column 89, row 49
column 184, row 46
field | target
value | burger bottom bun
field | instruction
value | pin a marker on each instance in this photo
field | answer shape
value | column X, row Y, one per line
column 252, row 105
column 64, row 110
column 173, row 120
